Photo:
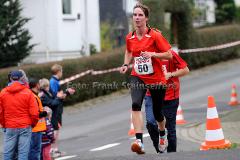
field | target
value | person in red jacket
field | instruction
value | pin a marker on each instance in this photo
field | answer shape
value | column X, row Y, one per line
column 18, row 114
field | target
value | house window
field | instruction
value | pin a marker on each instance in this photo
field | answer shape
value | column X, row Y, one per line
column 67, row 6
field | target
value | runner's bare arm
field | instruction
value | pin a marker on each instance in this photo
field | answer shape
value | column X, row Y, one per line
column 127, row 57
column 127, row 61
column 163, row 55
column 178, row 73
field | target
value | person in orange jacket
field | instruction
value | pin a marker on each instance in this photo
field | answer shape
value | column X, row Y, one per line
column 18, row 114
column 36, row 140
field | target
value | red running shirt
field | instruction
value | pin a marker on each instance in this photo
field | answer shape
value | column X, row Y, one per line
column 152, row 41
column 173, row 84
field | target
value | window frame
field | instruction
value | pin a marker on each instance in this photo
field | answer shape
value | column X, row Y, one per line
column 68, row 16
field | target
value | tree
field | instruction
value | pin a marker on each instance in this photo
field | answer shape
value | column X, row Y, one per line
column 225, row 11
column 14, row 37
column 107, row 42
column 181, row 31
column 238, row 14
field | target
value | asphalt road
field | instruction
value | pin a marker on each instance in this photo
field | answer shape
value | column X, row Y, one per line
column 98, row 129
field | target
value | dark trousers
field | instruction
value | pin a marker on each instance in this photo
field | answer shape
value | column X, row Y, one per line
column 138, row 92
column 169, row 111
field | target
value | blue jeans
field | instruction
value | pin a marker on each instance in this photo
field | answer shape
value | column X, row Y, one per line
column 170, row 112
column 16, row 139
column 151, row 125
column 149, row 111
column 35, row 146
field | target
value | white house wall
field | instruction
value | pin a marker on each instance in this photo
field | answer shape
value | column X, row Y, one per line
column 59, row 36
column 93, row 22
column 37, row 24
column 52, row 28
column 77, row 34
column 69, row 28
column 43, row 24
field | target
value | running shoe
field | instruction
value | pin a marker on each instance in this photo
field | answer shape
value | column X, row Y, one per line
column 57, row 153
column 163, row 143
column 138, row 147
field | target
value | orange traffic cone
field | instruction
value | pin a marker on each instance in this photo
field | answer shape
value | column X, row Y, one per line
column 131, row 131
column 233, row 100
column 180, row 118
column 214, row 138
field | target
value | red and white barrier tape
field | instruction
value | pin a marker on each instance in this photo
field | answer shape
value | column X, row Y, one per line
column 92, row 72
column 75, row 77
column 217, row 47
column 105, row 71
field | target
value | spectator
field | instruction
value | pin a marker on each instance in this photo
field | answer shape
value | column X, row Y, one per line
column 25, row 78
column 36, row 140
column 54, row 103
column 48, row 136
column 54, row 90
column 18, row 114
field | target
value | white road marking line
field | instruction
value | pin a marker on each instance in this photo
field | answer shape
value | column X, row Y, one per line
column 114, row 144
column 144, row 136
column 66, row 157
column 105, row 147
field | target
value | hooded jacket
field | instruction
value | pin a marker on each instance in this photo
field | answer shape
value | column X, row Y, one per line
column 55, row 104
column 18, row 107
column 41, row 125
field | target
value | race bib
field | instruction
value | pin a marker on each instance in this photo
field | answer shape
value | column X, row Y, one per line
column 143, row 65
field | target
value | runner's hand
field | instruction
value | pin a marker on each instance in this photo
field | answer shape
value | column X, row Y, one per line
column 146, row 54
column 168, row 75
column 123, row 69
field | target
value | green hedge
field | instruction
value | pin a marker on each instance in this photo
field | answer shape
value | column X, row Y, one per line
column 204, row 37
column 71, row 67
column 211, row 36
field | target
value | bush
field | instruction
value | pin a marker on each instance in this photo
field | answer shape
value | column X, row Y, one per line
column 211, row 36
column 181, row 19
column 93, row 49
column 238, row 14
column 99, row 61
column 107, row 42
column 225, row 11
